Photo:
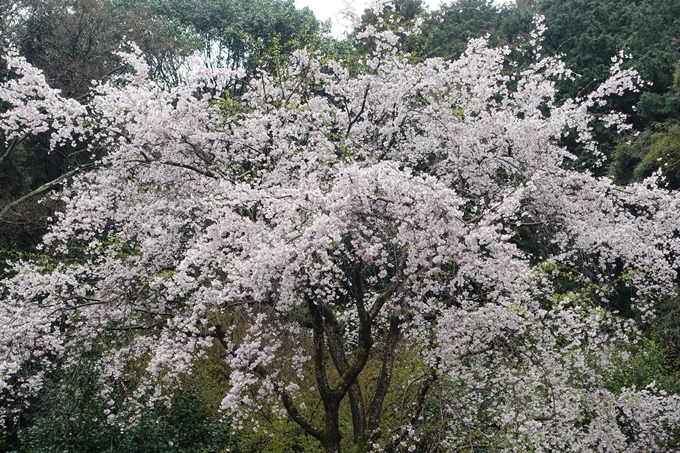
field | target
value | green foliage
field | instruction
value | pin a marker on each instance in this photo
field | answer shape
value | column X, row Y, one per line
column 658, row 146
column 239, row 33
column 449, row 30
column 650, row 363
column 280, row 436
column 24, row 168
column 69, row 415
column 656, row 107
column 649, row 152
column 589, row 32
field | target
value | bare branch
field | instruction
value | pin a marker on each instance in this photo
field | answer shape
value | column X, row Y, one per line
column 11, row 147
column 42, row 189
column 292, row 410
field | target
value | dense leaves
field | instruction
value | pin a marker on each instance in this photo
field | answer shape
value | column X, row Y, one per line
column 243, row 33
column 71, row 416
column 449, row 29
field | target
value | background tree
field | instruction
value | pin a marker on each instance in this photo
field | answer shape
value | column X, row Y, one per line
column 587, row 33
column 74, row 42
column 244, row 33
column 399, row 17
column 449, row 29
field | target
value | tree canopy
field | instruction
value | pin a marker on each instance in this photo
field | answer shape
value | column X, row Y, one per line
column 385, row 251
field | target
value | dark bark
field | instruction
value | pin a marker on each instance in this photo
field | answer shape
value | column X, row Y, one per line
column 385, row 378
column 339, row 357
column 328, row 341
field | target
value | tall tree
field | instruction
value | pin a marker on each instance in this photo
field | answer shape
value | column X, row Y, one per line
column 449, row 29
column 342, row 220
column 589, row 32
column 241, row 33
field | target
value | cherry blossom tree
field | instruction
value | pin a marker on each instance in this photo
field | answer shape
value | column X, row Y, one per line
column 329, row 221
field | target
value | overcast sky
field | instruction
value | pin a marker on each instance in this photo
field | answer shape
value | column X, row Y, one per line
column 328, row 9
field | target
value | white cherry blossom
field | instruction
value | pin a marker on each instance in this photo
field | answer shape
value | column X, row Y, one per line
column 333, row 220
